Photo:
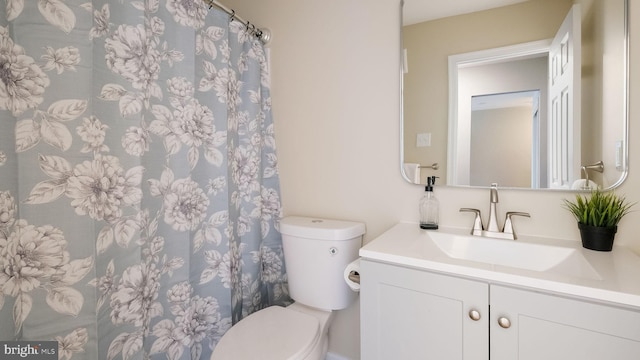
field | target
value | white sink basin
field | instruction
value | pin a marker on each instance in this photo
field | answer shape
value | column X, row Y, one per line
column 516, row 254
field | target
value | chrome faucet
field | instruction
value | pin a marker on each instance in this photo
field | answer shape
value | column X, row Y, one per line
column 492, row 230
column 492, row 223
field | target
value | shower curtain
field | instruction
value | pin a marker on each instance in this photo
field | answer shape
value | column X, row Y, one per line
column 139, row 193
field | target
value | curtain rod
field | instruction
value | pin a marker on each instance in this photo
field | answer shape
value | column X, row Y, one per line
column 261, row 33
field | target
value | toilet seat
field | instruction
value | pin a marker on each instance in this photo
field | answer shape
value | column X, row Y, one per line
column 274, row 333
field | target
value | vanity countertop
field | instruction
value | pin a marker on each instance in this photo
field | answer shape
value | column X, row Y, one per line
column 606, row 276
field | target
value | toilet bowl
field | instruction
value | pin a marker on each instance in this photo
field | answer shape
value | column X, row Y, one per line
column 316, row 253
column 296, row 332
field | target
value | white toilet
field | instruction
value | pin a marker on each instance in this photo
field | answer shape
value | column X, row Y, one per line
column 316, row 252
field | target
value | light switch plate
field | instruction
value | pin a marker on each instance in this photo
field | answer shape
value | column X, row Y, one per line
column 619, row 155
column 423, row 139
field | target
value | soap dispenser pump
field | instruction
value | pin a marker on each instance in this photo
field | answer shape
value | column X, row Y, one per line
column 429, row 206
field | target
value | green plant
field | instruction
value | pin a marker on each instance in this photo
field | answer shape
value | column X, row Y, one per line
column 601, row 209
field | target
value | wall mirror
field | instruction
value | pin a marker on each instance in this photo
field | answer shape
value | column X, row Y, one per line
column 524, row 93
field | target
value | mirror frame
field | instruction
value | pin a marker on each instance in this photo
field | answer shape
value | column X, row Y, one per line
column 625, row 103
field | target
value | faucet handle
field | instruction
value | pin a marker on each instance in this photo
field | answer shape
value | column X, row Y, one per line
column 508, row 223
column 477, row 221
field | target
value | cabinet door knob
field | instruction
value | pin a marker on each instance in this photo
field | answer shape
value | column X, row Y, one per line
column 474, row 314
column 504, row 322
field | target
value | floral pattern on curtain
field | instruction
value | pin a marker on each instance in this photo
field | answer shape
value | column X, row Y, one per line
column 139, row 193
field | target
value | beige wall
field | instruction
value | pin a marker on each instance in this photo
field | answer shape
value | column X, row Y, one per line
column 335, row 103
column 501, row 146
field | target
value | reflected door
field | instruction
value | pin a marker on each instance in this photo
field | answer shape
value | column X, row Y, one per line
column 564, row 103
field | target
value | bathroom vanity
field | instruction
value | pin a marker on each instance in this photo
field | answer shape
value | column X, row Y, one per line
column 448, row 295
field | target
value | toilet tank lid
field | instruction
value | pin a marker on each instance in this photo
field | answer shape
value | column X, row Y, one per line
column 321, row 229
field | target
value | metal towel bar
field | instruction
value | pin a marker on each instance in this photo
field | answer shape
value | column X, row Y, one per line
column 433, row 166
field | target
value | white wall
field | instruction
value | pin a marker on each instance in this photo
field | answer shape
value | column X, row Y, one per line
column 335, row 104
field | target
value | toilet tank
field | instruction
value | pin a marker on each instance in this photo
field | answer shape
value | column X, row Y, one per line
column 316, row 252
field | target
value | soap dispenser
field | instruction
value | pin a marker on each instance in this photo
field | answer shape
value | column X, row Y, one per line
column 429, row 206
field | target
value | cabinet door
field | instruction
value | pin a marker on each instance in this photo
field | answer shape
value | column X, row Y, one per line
column 550, row 327
column 411, row 314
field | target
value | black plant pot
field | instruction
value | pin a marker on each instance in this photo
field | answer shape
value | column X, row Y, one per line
column 597, row 238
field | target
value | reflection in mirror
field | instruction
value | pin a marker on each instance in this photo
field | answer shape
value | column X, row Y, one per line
column 501, row 145
column 509, row 70
column 572, row 121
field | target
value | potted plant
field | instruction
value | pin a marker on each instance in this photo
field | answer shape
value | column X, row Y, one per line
column 598, row 217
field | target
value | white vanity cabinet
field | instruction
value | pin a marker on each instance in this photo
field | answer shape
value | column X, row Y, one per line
column 409, row 313
column 552, row 327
